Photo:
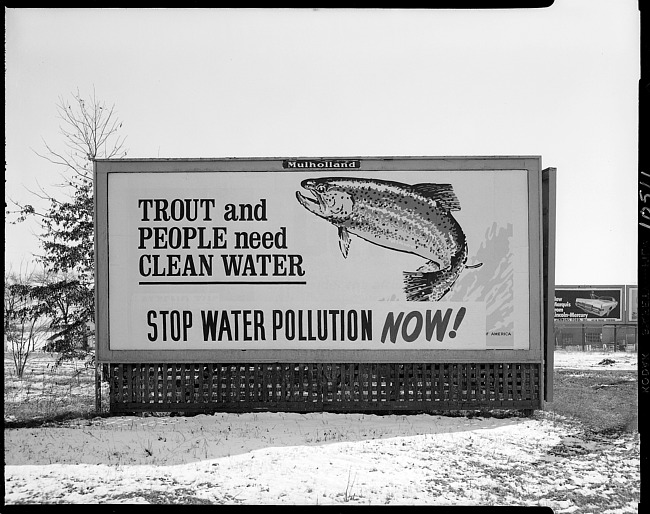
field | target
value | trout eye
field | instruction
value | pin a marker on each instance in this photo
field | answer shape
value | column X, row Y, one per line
column 321, row 188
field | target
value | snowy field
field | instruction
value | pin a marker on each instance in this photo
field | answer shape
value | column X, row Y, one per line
column 623, row 361
column 324, row 458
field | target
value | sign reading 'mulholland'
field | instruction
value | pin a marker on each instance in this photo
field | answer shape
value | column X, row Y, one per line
column 319, row 163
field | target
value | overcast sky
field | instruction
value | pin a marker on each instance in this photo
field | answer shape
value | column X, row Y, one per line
column 560, row 82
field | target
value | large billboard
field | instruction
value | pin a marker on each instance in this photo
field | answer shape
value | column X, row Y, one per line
column 589, row 303
column 318, row 255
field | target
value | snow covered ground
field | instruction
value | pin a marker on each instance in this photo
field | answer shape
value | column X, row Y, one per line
column 595, row 360
column 324, row 458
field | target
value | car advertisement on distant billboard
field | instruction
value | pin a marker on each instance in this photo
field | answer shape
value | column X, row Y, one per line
column 583, row 304
column 632, row 304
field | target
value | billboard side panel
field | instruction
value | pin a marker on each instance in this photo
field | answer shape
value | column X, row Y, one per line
column 549, row 178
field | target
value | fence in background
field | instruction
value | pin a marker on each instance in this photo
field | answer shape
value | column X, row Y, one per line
column 589, row 337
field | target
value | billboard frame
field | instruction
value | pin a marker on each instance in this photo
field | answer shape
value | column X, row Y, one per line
column 531, row 164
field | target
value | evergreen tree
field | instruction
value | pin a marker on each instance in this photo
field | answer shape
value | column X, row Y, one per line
column 90, row 130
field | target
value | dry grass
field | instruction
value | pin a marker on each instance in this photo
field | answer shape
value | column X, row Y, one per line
column 47, row 392
column 604, row 401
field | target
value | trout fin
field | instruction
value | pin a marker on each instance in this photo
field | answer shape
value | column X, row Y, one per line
column 443, row 194
column 426, row 287
column 344, row 241
column 429, row 283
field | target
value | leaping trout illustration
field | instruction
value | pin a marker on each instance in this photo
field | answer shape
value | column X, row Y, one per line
column 414, row 219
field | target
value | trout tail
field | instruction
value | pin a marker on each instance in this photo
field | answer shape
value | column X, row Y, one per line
column 423, row 286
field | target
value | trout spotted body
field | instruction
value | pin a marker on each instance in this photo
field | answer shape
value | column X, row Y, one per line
column 413, row 219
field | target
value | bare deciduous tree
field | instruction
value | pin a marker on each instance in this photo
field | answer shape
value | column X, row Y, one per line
column 90, row 130
column 24, row 320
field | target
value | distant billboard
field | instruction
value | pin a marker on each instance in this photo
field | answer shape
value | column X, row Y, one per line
column 632, row 304
column 589, row 303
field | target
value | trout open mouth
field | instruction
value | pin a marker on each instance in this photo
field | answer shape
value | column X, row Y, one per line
column 333, row 203
column 315, row 204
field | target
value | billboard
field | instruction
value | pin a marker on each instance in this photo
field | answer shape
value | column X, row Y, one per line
column 632, row 304
column 316, row 255
column 589, row 303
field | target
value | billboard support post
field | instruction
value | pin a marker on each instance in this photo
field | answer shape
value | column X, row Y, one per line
column 98, row 388
column 355, row 283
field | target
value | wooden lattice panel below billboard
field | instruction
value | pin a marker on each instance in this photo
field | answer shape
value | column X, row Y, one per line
column 323, row 386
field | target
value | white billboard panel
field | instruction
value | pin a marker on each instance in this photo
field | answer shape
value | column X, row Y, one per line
column 341, row 258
